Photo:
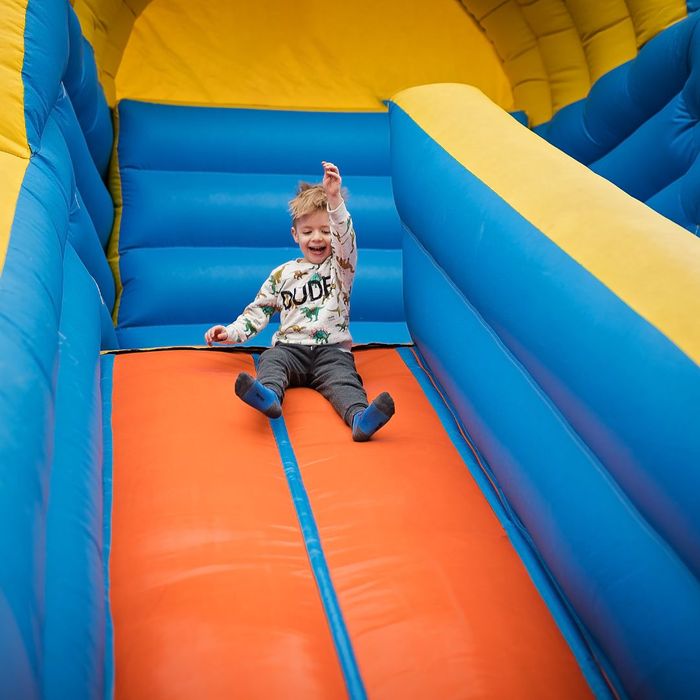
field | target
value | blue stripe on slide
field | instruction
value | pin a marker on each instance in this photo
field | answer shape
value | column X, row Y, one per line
column 106, row 370
column 572, row 631
column 317, row 558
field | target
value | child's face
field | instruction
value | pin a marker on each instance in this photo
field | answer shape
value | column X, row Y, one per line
column 313, row 234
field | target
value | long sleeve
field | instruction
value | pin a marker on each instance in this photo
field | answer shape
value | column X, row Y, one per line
column 344, row 248
column 258, row 313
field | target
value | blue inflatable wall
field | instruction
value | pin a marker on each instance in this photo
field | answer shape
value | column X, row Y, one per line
column 638, row 127
column 202, row 196
column 52, row 326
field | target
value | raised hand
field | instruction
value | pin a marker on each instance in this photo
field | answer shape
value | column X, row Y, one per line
column 216, row 334
column 331, row 183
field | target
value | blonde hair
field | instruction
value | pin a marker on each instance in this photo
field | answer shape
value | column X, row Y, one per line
column 309, row 198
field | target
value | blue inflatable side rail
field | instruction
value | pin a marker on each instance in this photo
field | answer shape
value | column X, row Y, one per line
column 87, row 96
column 201, row 196
column 94, row 194
column 583, row 409
column 52, row 609
column 638, row 127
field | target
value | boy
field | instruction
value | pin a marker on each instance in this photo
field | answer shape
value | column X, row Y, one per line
column 312, row 294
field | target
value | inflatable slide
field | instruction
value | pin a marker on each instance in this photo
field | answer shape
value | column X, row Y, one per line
column 528, row 523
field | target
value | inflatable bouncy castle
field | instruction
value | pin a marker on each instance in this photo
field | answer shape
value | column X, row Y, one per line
column 524, row 180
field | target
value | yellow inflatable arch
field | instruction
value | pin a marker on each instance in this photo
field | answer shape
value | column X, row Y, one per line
column 534, row 55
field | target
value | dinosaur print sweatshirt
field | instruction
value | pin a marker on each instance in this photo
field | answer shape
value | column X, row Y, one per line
column 313, row 299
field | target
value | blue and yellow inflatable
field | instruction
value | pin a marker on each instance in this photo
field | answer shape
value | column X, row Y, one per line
column 526, row 526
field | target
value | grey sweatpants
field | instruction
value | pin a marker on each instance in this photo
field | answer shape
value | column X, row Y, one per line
column 325, row 368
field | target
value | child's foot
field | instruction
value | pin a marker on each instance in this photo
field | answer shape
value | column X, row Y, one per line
column 366, row 423
column 258, row 395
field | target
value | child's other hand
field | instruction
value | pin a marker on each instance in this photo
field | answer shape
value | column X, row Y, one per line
column 216, row 334
column 331, row 183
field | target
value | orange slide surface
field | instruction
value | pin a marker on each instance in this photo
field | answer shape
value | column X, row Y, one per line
column 212, row 593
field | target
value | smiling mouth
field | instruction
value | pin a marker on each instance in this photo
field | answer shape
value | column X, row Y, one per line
column 319, row 250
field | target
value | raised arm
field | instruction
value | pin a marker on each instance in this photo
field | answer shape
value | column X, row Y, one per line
column 331, row 184
column 342, row 230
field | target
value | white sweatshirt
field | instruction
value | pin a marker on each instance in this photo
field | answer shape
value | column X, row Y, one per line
column 313, row 300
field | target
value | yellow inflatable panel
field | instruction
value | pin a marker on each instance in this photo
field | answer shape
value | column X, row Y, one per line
column 562, row 54
column 107, row 25
column 13, row 135
column 651, row 16
column 607, row 34
column 14, row 150
column 550, row 50
column 12, row 171
column 568, row 44
column 303, row 55
column 517, row 46
column 648, row 261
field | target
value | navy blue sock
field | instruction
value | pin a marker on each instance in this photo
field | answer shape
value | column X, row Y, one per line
column 258, row 395
column 365, row 423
